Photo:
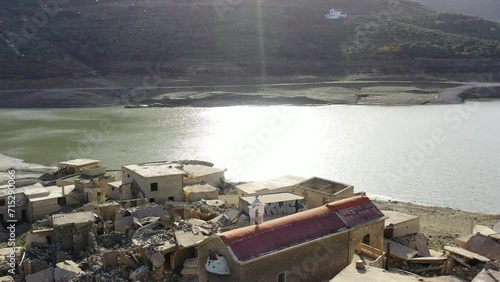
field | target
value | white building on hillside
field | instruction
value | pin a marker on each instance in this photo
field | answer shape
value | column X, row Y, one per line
column 335, row 14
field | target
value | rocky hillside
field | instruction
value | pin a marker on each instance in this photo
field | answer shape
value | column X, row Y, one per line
column 487, row 9
column 228, row 37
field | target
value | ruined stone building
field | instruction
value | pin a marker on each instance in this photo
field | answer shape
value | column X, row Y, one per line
column 318, row 191
column 33, row 202
column 76, row 165
column 157, row 182
column 72, row 230
column 315, row 191
column 197, row 174
column 281, row 184
column 91, row 183
column 313, row 245
column 163, row 181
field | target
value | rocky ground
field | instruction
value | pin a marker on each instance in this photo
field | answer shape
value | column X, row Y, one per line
column 442, row 225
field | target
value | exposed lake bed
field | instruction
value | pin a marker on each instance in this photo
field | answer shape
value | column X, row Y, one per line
column 442, row 155
column 390, row 93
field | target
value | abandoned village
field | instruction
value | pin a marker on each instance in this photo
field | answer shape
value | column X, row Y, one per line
column 182, row 221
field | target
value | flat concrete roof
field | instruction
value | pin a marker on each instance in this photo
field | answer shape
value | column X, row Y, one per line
column 201, row 170
column 395, row 217
column 154, row 170
column 115, row 184
column 268, row 185
column 273, row 198
column 72, row 218
column 200, row 188
column 78, row 162
column 54, row 193
column 32, row 190
column 374, row 274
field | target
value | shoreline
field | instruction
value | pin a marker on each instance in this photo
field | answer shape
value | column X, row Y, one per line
column 26, row 175
column 379, row 93
column 441, row 225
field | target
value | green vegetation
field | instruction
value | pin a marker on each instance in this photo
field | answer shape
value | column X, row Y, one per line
column 112, row 36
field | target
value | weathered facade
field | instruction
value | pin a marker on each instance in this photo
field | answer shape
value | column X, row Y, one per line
column 76, row 165
column 72, row 230
column 157, row 182
column 401, row 224
column 198, row 192
column 33, row 202
column 281, row 184
column 197, row 174
column 275, row 204
column 318, row 191
column 313, row 245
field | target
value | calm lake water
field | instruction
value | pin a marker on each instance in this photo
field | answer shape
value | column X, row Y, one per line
column 446, row 155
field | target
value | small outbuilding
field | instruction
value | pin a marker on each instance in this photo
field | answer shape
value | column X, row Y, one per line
column 76, row 165
column 318, row 191
column 198, row 192
column 400, row 224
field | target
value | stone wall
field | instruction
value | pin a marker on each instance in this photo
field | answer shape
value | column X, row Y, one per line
column 316, row 260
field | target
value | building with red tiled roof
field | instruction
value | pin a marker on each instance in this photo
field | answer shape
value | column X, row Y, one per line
column 313, row 245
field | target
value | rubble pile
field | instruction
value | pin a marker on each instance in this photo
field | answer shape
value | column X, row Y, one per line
column 147, row 242
column 405, row 248
column 42, row 223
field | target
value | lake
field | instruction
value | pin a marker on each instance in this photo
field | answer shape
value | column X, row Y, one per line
column 444, row 155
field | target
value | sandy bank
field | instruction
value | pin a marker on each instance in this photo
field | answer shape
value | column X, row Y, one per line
column 310, row 93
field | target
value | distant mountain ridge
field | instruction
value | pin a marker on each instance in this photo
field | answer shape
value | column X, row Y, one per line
column 192, row 38
column 487, row 9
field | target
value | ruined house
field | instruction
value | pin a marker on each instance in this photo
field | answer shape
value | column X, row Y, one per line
column 76, row 165
column 33, row 202
column 199, row 192
column 72, row 230
column 318, row 191
column 313, row 245
column 400, row 224
column 115, row 191
column 157, row 182
column 197, row 174
column 91, row 184
column 281, row 184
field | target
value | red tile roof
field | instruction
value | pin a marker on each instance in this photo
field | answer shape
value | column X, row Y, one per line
column 256, row 240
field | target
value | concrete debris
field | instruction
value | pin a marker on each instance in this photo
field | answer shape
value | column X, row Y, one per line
column 66, row 270
column 215, row 203
column 495, row 237
column 102, row 242
column 399, row 251
column 190, row 269
column 140, row 273
column 135, row 240
column 485, row 230
column 483, row 245
column 46, row 275
column 188, row 239
column 466, row 254
column 421, row 245
column 487, row 275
